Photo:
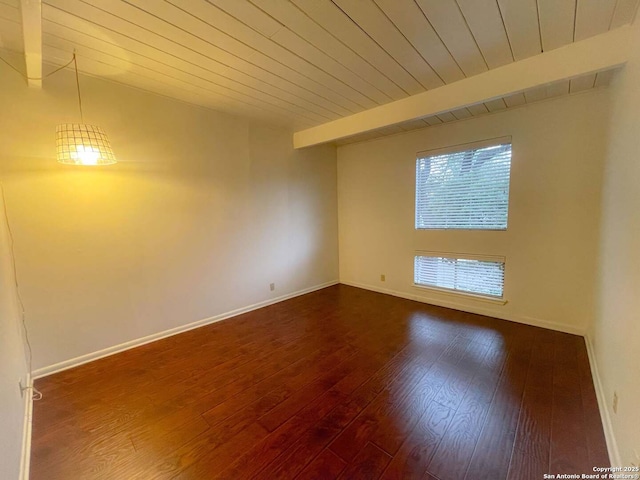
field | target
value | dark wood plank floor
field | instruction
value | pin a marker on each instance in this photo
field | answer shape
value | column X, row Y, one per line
column 340, row 383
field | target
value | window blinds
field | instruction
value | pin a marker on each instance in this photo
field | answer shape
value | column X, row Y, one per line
column 464, row 190
column 473, row 276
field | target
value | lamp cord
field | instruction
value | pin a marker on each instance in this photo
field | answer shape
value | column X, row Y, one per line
column 36, row 394
column 75, row 63
column 26, row 77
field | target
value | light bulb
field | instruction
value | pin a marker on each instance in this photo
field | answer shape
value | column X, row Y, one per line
column 86, row 155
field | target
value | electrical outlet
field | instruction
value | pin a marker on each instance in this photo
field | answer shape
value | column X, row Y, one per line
column 615, row 402
column 272, row 286
column 383, row 277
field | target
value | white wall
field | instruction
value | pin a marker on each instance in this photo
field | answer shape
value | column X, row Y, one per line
column 12, row 363
column 202, row 213
column 551, row 243
column 616, row 333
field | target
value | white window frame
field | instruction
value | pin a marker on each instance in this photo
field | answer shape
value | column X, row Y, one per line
column 461, row 293
column 456, row 149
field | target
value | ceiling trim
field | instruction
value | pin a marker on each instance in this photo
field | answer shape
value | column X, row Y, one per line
column 31, row 11
column 601, row 52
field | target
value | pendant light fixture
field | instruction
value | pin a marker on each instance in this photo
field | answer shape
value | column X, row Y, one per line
column 80, row 143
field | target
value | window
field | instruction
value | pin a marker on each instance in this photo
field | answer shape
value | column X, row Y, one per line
column 464, row 189
column 480, row 277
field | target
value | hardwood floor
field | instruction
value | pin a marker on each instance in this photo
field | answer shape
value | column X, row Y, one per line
column 340, row 383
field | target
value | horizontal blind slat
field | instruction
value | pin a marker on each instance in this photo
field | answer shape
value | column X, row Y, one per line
column 467, row 275
column 464, row 190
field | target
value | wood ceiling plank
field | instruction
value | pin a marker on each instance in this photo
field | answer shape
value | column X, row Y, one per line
column 63, row 37
column 410, row 20
column 447, row 20
column 192, row 18
column 604, row 78
column 249, row 15
column 515, row 100
column 495, row 105
column 593, row 17
column 11, row 27
column 557, row 19
column 536, row 94
column 294, row 43
column 306, row 50
column 246, row 44
column 485, row 23
column 66, row 25
column 210, row 56
column 558, row 88
column 461, row 113
column 446, row 117
column 413, row 125
column 334, row 21
column 174, row 56
column 390, row 130
column 624, row 12
column 11, row 38
column 98, row 69
column 10, row 13
column 312, row 61
column 433, row 120
column 606, row 51
column 149, row 30
column 478, row 109
column 582, row 83
column 11, row 3
column 298, row 22
column 373, row 21
column 114, row 67
column 521, row 22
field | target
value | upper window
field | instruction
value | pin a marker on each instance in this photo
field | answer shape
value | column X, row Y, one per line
column 464, row 189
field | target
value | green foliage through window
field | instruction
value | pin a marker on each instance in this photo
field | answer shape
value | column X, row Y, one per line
column 464, row 190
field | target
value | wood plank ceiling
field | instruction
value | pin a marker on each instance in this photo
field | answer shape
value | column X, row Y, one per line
column 305, row 62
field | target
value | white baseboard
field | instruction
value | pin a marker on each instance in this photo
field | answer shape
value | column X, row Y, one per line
column 25, row 457
column 612, row 444
column 473, row 309
column 74, row 362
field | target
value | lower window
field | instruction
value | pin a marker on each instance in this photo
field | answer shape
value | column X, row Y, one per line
column 478, row 277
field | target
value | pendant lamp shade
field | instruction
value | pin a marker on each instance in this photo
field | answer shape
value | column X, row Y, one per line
column 82, row 144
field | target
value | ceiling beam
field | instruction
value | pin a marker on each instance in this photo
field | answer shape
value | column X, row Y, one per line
column 32, row 35
column 598, row 53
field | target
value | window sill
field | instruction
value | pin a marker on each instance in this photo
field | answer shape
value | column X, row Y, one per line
column 459, row 294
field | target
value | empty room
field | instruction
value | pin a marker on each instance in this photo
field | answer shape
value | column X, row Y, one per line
column 318, row 239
